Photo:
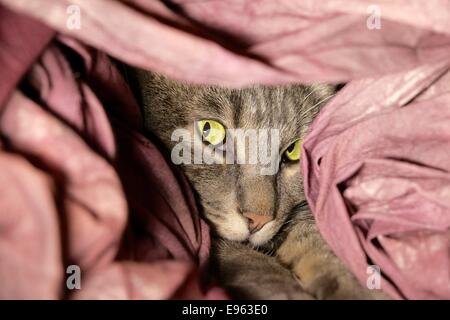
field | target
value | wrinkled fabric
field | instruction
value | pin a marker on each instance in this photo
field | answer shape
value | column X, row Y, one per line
column 238, row 42
column 80, row 187
column 376, row 165
column 375, row 162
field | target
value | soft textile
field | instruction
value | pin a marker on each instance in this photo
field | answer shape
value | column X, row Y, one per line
column 375, row 162
column 79, row 187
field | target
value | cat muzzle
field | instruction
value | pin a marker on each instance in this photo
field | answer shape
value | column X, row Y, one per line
column 256, row 221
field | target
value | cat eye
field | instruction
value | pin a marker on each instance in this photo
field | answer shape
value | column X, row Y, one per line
column 292, row 153
column 211, row 131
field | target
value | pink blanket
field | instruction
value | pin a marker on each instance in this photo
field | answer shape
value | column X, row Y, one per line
column 81, row 185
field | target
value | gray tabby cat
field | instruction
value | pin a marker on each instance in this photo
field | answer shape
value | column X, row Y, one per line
column 266, row 245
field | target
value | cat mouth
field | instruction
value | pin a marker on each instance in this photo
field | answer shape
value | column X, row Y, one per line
column 234, row 226
column 270, row 230
column 264, row 234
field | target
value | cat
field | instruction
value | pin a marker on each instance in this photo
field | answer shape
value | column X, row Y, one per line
column 265, row 242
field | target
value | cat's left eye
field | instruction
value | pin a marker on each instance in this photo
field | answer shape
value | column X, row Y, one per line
column 292, row 153
column 211, row 131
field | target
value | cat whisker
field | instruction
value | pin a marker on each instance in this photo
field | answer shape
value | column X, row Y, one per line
column 288, row 222
column 315, row 105
column 307, row 96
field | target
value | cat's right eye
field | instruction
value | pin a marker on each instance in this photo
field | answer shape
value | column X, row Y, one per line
column 211, row 131
column 292, row 153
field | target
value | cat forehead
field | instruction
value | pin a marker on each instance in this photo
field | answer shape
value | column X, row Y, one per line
column 286, row 108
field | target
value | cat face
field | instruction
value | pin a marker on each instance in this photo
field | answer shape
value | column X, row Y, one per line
column 241, row 201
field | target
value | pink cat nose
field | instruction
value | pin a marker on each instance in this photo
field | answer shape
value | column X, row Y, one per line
column 256, row 221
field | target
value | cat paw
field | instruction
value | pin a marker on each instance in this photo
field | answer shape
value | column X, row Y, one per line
column 333, row 282
column 318, row 270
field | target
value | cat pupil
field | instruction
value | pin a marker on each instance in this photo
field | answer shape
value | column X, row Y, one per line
column 206, row 129
column 291, row 148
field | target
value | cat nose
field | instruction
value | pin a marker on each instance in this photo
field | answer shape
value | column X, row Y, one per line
column 256, row 221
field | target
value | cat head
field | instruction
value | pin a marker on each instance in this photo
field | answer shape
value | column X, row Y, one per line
column 213, row 132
